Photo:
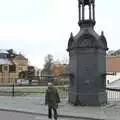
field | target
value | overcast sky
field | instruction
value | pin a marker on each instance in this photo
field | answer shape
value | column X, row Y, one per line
column 40, row 27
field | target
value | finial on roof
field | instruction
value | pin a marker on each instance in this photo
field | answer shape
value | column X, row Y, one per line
column 71, row 34
column 102, row 33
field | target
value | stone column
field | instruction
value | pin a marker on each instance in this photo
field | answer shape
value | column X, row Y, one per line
column 83, row 12
column 79, row 12
column 90, row 11
column 93, row 11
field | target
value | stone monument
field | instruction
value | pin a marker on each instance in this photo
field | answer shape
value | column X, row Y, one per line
column 87, row 60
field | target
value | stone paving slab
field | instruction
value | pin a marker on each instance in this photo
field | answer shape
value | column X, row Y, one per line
column 35, row 105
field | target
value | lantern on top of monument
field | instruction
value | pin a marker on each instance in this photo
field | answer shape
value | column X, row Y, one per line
column 86, row 11
column 87, row 60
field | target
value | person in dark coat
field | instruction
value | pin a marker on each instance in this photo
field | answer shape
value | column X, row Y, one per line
column 52, row 99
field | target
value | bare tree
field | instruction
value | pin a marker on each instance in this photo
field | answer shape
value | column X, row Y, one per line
column 48, row 64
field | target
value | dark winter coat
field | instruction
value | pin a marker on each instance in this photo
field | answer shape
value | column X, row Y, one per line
column 52, row 97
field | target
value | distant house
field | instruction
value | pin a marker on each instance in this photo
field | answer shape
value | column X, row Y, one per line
column 113, row 67
column 11, row 64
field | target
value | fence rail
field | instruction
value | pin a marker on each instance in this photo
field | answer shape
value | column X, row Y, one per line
column 113, row 94
column 16, row 90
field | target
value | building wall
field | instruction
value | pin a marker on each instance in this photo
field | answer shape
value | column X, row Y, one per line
column 112, row 66
column 21, row 65
column 7, row 77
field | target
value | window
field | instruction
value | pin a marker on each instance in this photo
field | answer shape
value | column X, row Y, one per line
column 0, row 68
column 5, row 68
column 12, row 68
column 2, row 55
column 5, row 56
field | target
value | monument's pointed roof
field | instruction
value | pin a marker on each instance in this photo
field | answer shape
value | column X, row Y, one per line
column 87, row 38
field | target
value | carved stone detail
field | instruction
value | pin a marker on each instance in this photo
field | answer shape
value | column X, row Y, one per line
column 103, row 40
column 71, row 39
column 87, row 41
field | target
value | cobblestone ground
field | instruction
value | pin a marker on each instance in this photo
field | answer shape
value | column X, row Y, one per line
column 4, row 115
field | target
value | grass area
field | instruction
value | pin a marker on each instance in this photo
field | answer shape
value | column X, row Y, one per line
column 32, row 90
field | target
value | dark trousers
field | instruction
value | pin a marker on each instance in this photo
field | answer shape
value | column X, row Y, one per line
column 50, row 112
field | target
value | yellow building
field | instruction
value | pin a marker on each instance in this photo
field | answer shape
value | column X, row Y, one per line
column 10, row 66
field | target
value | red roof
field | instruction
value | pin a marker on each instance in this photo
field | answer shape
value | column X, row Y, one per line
column 113, row 63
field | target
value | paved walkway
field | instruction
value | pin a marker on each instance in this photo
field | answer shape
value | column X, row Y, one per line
column 35, row 105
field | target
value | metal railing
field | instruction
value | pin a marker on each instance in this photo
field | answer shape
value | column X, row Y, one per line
column 113, row 94
column 33, row 91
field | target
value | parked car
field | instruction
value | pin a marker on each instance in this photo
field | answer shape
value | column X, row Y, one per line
column 22, row 82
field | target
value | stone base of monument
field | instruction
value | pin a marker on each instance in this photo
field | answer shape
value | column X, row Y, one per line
column 88, row 99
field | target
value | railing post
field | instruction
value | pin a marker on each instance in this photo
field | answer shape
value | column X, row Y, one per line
column 13, row 90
